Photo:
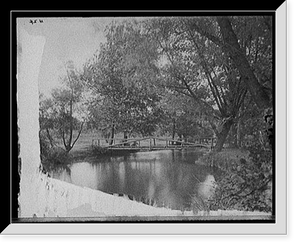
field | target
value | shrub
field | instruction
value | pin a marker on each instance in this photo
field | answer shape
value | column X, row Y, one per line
column 56, row 159
column 223, row 160
column 246, row 183
column 52, row 158
column 95, row 151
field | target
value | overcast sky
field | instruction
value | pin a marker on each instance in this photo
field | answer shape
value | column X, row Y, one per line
column 74, row 39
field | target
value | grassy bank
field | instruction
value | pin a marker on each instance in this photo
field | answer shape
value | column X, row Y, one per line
column 83, row 150
column 224, row 159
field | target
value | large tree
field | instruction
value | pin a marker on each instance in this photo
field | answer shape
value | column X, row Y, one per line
column 121, row 77
column 182, row 117
column 216, row 61
column 233, row 48
column 199, row 60
column 62, row 112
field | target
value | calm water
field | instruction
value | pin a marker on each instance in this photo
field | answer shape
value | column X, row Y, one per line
column 167, row 177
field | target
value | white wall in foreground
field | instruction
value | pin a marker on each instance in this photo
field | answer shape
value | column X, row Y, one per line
column 56, row 198
column 60, row 199
column 30, row 50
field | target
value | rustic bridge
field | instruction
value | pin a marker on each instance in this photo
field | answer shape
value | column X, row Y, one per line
column 151, row 143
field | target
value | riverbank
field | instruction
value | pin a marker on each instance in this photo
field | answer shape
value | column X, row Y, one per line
column 85, row 149
column 225, row 158
column 246, row 181
column 243, row 181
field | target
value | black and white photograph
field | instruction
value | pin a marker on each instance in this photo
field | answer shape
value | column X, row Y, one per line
column 146, row 118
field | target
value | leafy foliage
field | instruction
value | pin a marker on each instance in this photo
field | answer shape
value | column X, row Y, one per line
column 52, row 158
column 62, row 113
column 122, row 78
column 180, row 56
column 190, row 76
column 246, row 183
column 194, row 63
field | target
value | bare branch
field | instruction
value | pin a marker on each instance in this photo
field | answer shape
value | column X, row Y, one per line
column 213, row 91
column 211, row 83
column 241, row 98
column 63, row 137
column 80, row 130
column 204, row 33
column 221, row 100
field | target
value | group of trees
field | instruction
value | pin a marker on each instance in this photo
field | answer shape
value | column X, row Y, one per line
column 62, row 113
column 121, row 78
column 224, row 64
column 190, row 76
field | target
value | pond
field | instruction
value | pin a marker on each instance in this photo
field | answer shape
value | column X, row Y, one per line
column 165, row 178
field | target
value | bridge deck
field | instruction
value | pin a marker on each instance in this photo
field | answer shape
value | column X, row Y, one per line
column 150, row 143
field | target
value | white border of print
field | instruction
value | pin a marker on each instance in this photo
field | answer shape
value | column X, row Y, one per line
column 280, row 227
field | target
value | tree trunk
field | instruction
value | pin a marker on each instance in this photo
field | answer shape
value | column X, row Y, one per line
column 260, row 96
column 79, row 132
column 50, row 138
column 112, row 134
column 125, row 138
column 71, row 123
column 221, row 137
column 173, row 130
column 233, row 133
column 238, row 134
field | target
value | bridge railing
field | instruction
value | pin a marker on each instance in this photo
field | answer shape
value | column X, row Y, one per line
column 153, row 141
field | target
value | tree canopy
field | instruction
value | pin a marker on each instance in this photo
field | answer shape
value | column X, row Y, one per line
column 173, row 74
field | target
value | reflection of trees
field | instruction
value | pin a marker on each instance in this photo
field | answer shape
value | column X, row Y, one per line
column 82, row 174
column 121, row 174
column 173, row 155
column 205, row 189
column 168, row 180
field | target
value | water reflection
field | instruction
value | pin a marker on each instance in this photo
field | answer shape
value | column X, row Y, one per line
column 170, row 178
column 207, row 188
